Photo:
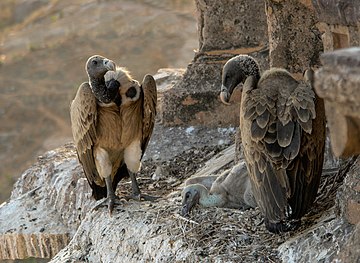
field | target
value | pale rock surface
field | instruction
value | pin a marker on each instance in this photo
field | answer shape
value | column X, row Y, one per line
column 51, row 198
column 46, row 207
column 139, row 231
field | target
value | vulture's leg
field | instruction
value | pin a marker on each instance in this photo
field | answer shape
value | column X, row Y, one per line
column 136, row 193
column 132, row 157
column 104, row 168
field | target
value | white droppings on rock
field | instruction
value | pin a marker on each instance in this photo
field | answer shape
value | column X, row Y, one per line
column 190, row 129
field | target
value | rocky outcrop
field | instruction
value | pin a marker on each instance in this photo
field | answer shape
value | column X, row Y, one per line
column 46, row 207
column 224, row 30
column 294, row 40
column 338, row 83
column 338, row 12
column 51, row 208
column 51, row 204
column 52, row 198
column 330, row 237
column 338, row 21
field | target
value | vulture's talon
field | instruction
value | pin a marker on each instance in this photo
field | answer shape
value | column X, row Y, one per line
column 110, row 202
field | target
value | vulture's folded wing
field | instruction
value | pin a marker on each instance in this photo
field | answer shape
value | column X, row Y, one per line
column 263, row 153
column 83, row 113
column 285, row 157
column 306, row 166
column 148, row 87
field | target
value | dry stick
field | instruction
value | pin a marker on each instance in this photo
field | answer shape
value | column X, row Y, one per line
column 185, row 219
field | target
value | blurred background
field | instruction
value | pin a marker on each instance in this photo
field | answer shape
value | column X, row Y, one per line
column 44, row 45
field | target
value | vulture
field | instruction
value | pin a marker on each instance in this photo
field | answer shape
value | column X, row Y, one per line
column 232, row 189
column 282, row 125
column 112, row 118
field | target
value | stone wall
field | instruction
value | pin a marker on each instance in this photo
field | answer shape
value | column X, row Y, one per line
column 338, row 82
column 225, row 30
column 338, row 21
column 294, row 40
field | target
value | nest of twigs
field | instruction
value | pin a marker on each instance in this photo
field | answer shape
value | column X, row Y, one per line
column 221, row 234
column 162, row 178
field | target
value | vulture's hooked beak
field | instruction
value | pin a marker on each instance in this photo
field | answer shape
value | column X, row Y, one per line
column 109, row 64
column 225, row 95
column 189, row 201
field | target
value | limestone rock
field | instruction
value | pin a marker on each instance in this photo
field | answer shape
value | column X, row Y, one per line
column 224, row 30
column 338, row 12
column 294, row 40
column 51, row 198
column 143, row 231
column 231, row 24
column 320, row 243
column 338, row 83
column 46, row 207
column 134, row 234
column 348, row 201
column 351, row 251
column 331, row 236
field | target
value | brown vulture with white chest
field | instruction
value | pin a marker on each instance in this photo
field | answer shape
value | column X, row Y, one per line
column 112, row 118
column 282, row 124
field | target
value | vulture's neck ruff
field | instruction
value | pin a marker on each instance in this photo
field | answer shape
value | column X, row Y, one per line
column 100, row 91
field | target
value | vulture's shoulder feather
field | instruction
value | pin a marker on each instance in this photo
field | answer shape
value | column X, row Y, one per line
column 148, row 87
column 83, row 113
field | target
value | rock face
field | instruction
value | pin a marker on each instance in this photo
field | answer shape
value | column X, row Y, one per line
column 338, row 83
column 338, row 12
column 225, row 30
column 51, row 205
column 46, row 207
column 225, row 26
column 135, row 234
column 331, row 236
column 338, row 23
column 51, row 199
column 294, row 40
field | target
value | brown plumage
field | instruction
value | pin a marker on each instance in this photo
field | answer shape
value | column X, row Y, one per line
column 282, row 124
column 111, row 130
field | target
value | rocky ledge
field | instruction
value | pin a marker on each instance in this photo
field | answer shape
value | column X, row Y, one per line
column 49, row 214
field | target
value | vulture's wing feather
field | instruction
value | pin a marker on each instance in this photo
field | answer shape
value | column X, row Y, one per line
column 266, row 138
column 305, row 170
column 83, row 113
column 148, row 87
column 286, row 145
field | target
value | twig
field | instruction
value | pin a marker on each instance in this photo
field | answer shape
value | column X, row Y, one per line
column 185, row 219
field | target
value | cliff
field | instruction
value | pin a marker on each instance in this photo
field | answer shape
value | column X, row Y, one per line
column 51, row 209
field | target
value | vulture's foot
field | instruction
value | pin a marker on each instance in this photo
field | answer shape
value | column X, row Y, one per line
column 136, row 193
column 284, row 226
column 110, row 201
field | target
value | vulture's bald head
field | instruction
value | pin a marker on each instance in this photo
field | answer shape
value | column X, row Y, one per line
column 97, row 66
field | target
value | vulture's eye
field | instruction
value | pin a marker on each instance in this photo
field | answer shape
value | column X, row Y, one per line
column 94, row 62
column 187, row 195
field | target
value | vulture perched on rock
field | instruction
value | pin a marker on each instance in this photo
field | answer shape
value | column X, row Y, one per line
column 112, row 118
column 282, row 124
column 231, row 189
